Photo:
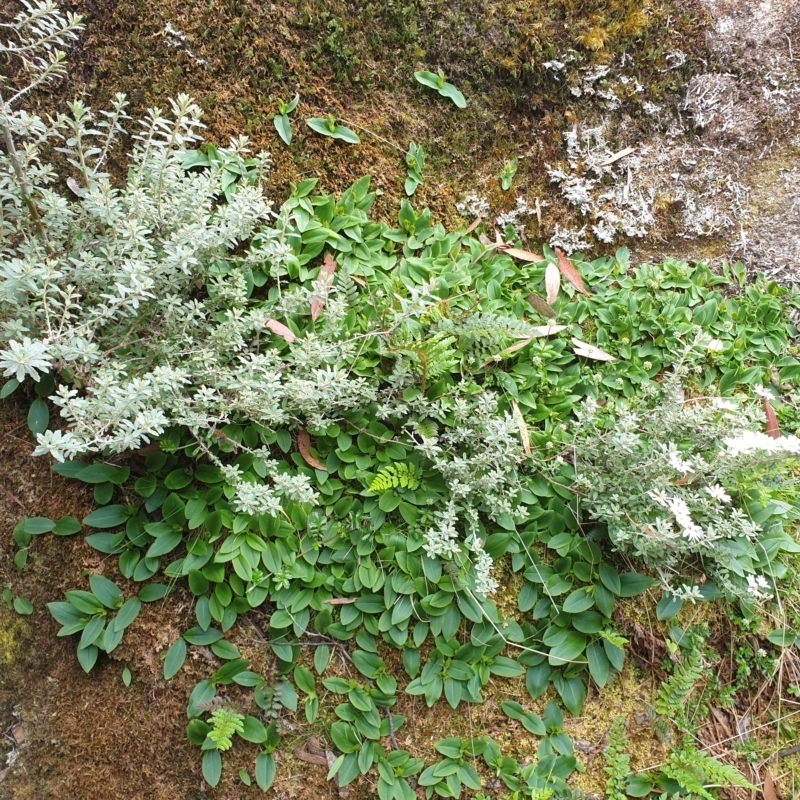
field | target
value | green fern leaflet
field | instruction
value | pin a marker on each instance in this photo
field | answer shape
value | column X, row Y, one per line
column 404, row 476
column 224, row 724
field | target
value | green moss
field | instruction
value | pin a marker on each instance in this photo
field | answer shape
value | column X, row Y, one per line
column 13, row 632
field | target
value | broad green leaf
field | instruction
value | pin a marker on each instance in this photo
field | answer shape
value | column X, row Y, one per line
column 265, row 771
column 283, row 127
column 334, row 131
column 127, row 614
column 164, row 544
column 38, row 416
column 782, row 637
column 254, row 730
column 201, row 637
column 578, row 601
column 212, row 767
column 66, row 526
column 91, row 633
column 632, row 584
column 9, row 387
column 174, row 658
column 599, row 666
column 106, row 591
column 87, row 657
column 23, row 606
column 153, row 592
column 572, row 692
column 668, row 606
column 108, row 516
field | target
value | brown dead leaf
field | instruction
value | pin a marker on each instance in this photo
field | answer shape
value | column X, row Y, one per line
column 590, row 351
column 522, row 255
column 771, row 425
column 304, row 447
column 311, row 758
column 279, row 329
column 339, row 601
column 541, row 306
column 477, row 221
column 552, row 283
column 768, row 789
column 570, row 273
column 523, row 428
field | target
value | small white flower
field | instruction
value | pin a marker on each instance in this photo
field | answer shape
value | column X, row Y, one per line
column 679, row 464
column 659, row 496
column 758, row 587
column 717, row 492
column 692, row 532
column 763, row 392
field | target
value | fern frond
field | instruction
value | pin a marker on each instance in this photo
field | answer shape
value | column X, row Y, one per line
column 679, row 686
column 431, row 357
column 405, row 476
column 698, row 772
column 489, row 331
column 426, row 428
column 224, row 724
column 346, row 288
column 617, row 761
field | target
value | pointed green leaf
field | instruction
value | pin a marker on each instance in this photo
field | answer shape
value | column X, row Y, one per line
column 106, row 591
column 174, row 658
column 212, row 767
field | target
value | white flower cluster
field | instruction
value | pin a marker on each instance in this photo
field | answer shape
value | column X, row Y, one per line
column 747, row 442
column 631, row 470
column 443, row 539
column 485, row 584
column 758, row 587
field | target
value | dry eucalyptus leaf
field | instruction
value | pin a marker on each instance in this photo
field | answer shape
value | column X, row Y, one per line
column 552, row 283
column 590, row 351
column 522, row 255
column 508, row 351
column 279, row 329
column 566, row 268
column 74, row 187
column 768, row 789
column 523, row 428
column 617, row 156
column 546, row 330
column 474, row 224
column 541, row 306
column 771, row 427
column 304, row 447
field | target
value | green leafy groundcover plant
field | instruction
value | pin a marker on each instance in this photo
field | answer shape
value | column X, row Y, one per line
column 409, row 495
column 352, row 411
